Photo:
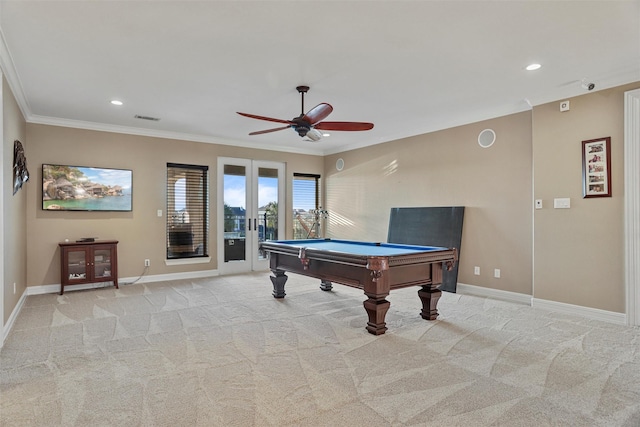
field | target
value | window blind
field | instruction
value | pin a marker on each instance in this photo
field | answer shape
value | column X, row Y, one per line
column 306, row 197
column 187, row 211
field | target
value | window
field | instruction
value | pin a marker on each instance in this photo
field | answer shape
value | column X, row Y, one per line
column 187, row 211
column 306, row 206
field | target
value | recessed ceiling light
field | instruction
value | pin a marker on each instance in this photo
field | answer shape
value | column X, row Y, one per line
column 116, row 102
column 326, row 134
column 532, row 67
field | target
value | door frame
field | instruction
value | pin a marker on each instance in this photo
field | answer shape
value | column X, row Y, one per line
column 632, row 205
column 252, row 261
column 3, row 331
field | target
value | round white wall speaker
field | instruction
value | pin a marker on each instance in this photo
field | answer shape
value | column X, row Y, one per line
column 340, row 164
column 486, row 138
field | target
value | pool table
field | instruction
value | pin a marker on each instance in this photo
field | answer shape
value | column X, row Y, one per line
column 377, row 268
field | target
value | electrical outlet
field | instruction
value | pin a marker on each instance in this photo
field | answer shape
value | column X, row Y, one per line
column 147, row 263
column 476, row 270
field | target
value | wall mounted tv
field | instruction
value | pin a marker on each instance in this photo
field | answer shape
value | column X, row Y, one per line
column 80, row 188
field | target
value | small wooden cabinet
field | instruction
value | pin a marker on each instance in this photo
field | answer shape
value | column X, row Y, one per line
column 88, row 262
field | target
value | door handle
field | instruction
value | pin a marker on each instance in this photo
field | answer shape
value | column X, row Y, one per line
column 255, row 224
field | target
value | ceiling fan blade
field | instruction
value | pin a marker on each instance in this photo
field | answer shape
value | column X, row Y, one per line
column 344, row 126
column 318, row 113
column 260, row 132
column 269, row 119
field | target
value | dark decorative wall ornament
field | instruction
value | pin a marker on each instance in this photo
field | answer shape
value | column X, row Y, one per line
column 20, row 172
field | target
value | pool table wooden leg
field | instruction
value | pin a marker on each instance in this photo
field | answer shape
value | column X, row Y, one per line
column 377, row 310
column 278, row 279
column 429, row 295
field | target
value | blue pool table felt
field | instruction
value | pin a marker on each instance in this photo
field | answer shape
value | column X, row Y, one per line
column 359, row 248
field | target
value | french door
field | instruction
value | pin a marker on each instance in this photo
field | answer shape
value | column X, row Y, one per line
column 250, row 193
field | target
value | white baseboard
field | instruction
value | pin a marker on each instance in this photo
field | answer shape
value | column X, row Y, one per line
column 588, row 312
column 493, row 293
column 558, row 307
column 13, row 317
column 51, row 289
column 171, row 276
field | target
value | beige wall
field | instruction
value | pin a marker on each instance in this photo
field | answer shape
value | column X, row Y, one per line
column 13, row 206
column 446, row 168
column 536, row 155
column 141, row 233
column 579, row 252
column 579, row 255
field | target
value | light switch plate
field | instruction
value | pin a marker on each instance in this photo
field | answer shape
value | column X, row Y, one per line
column 562, row 203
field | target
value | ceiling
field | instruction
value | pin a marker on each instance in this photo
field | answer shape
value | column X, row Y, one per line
column 410, row 67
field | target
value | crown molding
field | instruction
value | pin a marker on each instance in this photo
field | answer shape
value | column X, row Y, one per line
column 103, row 127
column 13, row 80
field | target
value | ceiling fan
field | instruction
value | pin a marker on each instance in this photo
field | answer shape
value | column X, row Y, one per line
column 309, row 124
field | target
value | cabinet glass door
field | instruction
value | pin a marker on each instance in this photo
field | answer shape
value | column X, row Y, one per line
column 102, row 263
column 77, row 265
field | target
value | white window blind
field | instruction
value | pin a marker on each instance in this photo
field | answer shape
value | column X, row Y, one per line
column 306, row 198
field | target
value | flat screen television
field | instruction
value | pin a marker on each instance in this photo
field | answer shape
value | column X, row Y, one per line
column 80, row 188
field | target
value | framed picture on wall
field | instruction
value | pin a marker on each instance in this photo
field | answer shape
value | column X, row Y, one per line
column 596, row 167
column 80, row 188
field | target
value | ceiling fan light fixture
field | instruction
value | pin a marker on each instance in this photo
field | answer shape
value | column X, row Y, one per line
column 314, row 135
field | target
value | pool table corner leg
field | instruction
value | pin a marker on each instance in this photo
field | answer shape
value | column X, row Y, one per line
column 278, row 279
column 429, row 295
column 377, row 311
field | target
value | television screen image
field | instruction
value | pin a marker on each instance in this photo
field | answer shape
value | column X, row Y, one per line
column 79, row 188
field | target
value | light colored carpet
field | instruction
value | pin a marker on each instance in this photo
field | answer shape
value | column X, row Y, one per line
column 224, row 352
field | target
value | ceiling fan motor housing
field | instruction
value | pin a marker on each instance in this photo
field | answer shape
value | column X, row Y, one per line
column 302, row 130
